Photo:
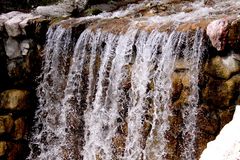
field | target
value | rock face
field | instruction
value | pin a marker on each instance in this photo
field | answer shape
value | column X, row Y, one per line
column 21, row 40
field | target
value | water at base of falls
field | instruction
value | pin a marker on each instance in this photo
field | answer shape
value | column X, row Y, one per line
column 110, row 97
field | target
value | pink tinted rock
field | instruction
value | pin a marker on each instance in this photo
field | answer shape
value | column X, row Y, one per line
column 217, row 32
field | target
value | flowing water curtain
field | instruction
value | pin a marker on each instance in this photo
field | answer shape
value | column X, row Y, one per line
column 156, row 145
column 74, row 101
column 49, row 129
column 193, row 58
column 96, row 115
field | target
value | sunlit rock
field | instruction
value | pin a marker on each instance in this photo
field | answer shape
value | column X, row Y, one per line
column 227, row 144
column 14, row 99
column 3, row 147
column 217, row 32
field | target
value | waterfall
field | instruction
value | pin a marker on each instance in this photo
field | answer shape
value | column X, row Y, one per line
column 110, row 97
column 193, row 59
column 49, row 131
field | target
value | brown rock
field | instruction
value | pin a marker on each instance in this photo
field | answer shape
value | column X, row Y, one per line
column 3, row 148
column 15, row 151
column 207, row 120
column 6, row 124
column 20, row 128
column 226, row 116
column 222, row 67
column 221, row 93
column 14, row 99
column 234, row 34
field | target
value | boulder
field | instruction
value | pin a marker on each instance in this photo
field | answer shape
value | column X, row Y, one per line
column 3, row 148
column 12, row 25
column 26, row 46
column 6, row 124
column 223, row 67
column 5, row 17
column 221, row 93
column 217, row 32
column 19, row 129
column 12, row 48
column 14, row 99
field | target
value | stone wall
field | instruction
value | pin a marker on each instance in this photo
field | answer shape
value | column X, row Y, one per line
column 21, row 43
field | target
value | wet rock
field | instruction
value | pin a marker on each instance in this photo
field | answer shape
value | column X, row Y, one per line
column 222, row 67
column 14, row 99
column 3, row 148
column 226, row 116
column 6, row 124
column 12, row 48
column 19, row 129
column 207, row 120
column 217, row 32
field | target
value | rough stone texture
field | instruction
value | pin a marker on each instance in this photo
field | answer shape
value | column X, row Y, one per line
column 217, row 32
column 3, row 148
column 19, row 129
column 14, row 99
column 6, row 124
column 12, row 25
column 12, row 48
column 223, row 67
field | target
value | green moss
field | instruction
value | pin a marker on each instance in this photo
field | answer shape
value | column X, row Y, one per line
column 92, row 11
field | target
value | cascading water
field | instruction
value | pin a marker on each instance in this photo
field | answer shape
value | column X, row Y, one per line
column 50, row 126
column 111, row 98
column 97, row 108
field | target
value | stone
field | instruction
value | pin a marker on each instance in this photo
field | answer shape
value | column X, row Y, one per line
column 227, row 143
column 15, row 150
column 23, row 25
column 5, row 17
column 217, row 32
column 25, row 46
column 221, row 93
column 3, row 148
column 12, row 48
column 6, row 124
column 207, row 120
column 14, row 99
column 60, row 10
column 226, row 116
column 12, row 25
column 19, row 129
column 234, row 34
column 223, row 67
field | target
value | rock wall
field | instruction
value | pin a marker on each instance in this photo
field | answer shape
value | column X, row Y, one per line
column 21, row 43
